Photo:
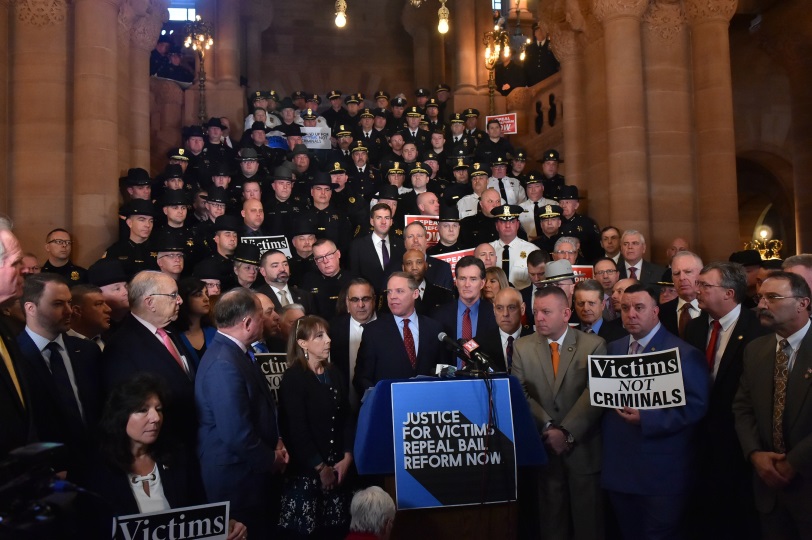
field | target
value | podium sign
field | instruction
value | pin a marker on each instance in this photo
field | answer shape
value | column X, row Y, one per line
column 447, row 452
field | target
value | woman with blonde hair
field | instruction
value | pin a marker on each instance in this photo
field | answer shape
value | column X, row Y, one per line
column 495, row 281
column 319, row 431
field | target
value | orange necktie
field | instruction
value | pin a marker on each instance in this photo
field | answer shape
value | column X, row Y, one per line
column 555, row 356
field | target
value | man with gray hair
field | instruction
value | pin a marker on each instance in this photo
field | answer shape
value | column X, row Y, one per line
column 238, row 441
column 567, row 247
column 373, row 514
column 677, row 313
column 723, row 501
column 800, row 264
column 632, row 265
column 142, row 344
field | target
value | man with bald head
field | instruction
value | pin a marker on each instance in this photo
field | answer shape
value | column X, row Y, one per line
column 676, row 314
column 497, row 343
column 431, row 296
column 428, row 204
column 253, row 216
column 487, row 254
column 481, row 227
column 142, row 344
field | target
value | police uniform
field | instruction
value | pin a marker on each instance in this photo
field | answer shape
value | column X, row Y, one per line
column 350, row 205
column 325, row 290
column 135, row 257
column 514, row 262
column 477, row 229
column 329, row 222
column 530, row 219
column 544, row 242
column 363, row 183
column 552, row 185
column 71, row 272
column 280, row 214
column 583, row 228
column 487, row 150
column 334, row 117
column 509, row 188
column 221, row 265
column 539, row 62
column 476, row 134
column 135, row 177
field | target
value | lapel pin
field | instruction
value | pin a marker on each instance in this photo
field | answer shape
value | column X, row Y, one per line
column 569, row 349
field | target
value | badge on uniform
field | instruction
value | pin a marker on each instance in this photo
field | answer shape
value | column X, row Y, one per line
column 74, row 276
column 523, row 254
column 352, row 200
column 190, row 242
column 335, row 216
column 579, row 228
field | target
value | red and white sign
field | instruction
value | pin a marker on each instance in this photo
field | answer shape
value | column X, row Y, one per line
column 454, row 256
column 582, row 272
column 430, row 223
column 507, row 121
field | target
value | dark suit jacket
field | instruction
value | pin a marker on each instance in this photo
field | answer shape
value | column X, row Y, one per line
column 238, row 433
column 650, row 273
column 753, row 411
column 446, row 315
column 382, row 354
column 490, row 342
column 17, row 427
column 439, row 273
column 314, row 422
column 340, row 346
column 434, row 296
column 299, row 297
column 50, row 418
column 669, row 317
column 365, row 263
column 612, row 330
column 657, row 456
column 133, row 349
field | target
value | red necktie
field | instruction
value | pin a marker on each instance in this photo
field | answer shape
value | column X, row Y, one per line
column 408, row 342
column 710, row 352
column 684, row 317
column 466, row 325
column 633, row 272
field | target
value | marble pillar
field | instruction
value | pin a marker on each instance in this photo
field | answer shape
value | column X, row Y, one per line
column 667, row 61
column 715, row 147
column 143, row 35
column 465, row 44
column 38, row 179
column 126, row 15
column 95, row 128
column 626, row 113
column 224, row 96
column 5, row 38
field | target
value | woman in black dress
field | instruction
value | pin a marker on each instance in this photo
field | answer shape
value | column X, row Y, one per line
column 318, row 429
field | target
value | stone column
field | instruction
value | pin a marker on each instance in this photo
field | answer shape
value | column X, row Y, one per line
column 39, row 190
column 715, row 147
column 465, row 46
column 126, row 15
column 626, row 113
column 799, row 84
column 226, row 43
column 5, row 38
column 669, row 122
column 143, row 36
column 95, row 127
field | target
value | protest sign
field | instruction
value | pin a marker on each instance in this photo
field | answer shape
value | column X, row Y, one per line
column 316, row 138
column 209, row 521
column 640, row 381
column 273, row 366
column 269, row 242
column 430, row 222
column 507, row 121
column 453, row 257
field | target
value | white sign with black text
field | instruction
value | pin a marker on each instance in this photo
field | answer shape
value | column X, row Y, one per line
column 640, row 381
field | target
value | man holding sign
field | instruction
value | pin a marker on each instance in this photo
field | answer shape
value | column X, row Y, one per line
column 647, row 454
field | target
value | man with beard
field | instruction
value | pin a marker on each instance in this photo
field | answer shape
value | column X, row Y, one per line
column 275, row 271
column 90, row 316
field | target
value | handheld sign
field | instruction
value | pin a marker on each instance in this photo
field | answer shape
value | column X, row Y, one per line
column 447, row 453
column 431, row 225
column 273, row 366
column 507, row 121
column 209, row 521
column 265, row 243
column 316, row 138
column 640, row 381
column 453, row 257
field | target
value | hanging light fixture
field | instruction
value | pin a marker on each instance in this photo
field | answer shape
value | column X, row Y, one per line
column 443, row 13
column 341, row 13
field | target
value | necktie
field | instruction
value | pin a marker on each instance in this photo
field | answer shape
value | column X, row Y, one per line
column 384, row 254
column 12, row 373
column 467, row 332
column 537, row 217
column 684, row 318
column 283, row 298
column 710, row 351
column 503, row 191
column 587, row 328
column 170, row 347
column 63, row 386
column 346, row 152
column 780, row 396
column 456, row 140
column 509, row 352
column 555, row 357
column 506, row 260
column 408, row 342
column 634, row 347
column 360, row 170
column 260, row 347
column 633, row 272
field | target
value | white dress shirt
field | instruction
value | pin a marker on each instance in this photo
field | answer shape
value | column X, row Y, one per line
column 519, row 250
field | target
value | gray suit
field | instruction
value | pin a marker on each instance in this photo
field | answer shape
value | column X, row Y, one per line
column 753, row 410
column 570, row 483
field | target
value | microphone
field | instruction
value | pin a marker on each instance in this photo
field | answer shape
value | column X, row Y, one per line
column 451, row 344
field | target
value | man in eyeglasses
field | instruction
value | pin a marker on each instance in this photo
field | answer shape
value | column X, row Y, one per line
column 326, row 283
column 606, row 273
column 58, row 245
column 567, row 248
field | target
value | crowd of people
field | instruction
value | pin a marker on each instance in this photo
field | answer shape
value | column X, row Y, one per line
column 143, row 365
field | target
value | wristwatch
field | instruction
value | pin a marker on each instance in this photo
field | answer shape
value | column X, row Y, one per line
column 569, row 438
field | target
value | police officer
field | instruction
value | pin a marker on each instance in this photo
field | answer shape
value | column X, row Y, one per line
column 449, row 232
column 397, row 120
column 199, row 168
column 457, row 139
column 365, row 133
column 216, row 149
column 549, row 167
column 226, row 238
column 175, row 205
column 58, row 245
column 419, row 137
column 471, row 127
column 216, row 203
column 534, row 205
column 329, row 222
column 578, row 225
column 303, row 236
column 363, row 178
column 282, row 206
column 135, row 252
column 326, row 284
column 509, row 188
column 518, row 161
column 461, row 186
column 494, row 144
column 346, row 201
column 137, row 185
column 550, row 222
column 336, row 114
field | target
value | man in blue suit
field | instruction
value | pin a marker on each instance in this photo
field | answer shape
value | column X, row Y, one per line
column 63, row 371
column 399, row 344
column 470, row 315
column 648, row 456
column 238, row 439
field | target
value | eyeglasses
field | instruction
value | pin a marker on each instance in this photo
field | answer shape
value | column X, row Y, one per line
column 707, row 286
column 63, row 243
column 771, row 298
column 363, row 299
column 605, row 272
column 174, row 296
column 172, row 256
column 324, row 258
column 562, row 252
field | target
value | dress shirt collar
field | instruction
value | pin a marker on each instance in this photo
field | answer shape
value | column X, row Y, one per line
column 504, row 335
column 693, row 303
column 356, row 324
column 730, row 319
column 796, row 338
column 561, row 339
column 239, row 343
column 42, row 342
column 644, row 341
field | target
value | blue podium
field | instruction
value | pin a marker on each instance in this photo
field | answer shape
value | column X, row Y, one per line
column 422, row 400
